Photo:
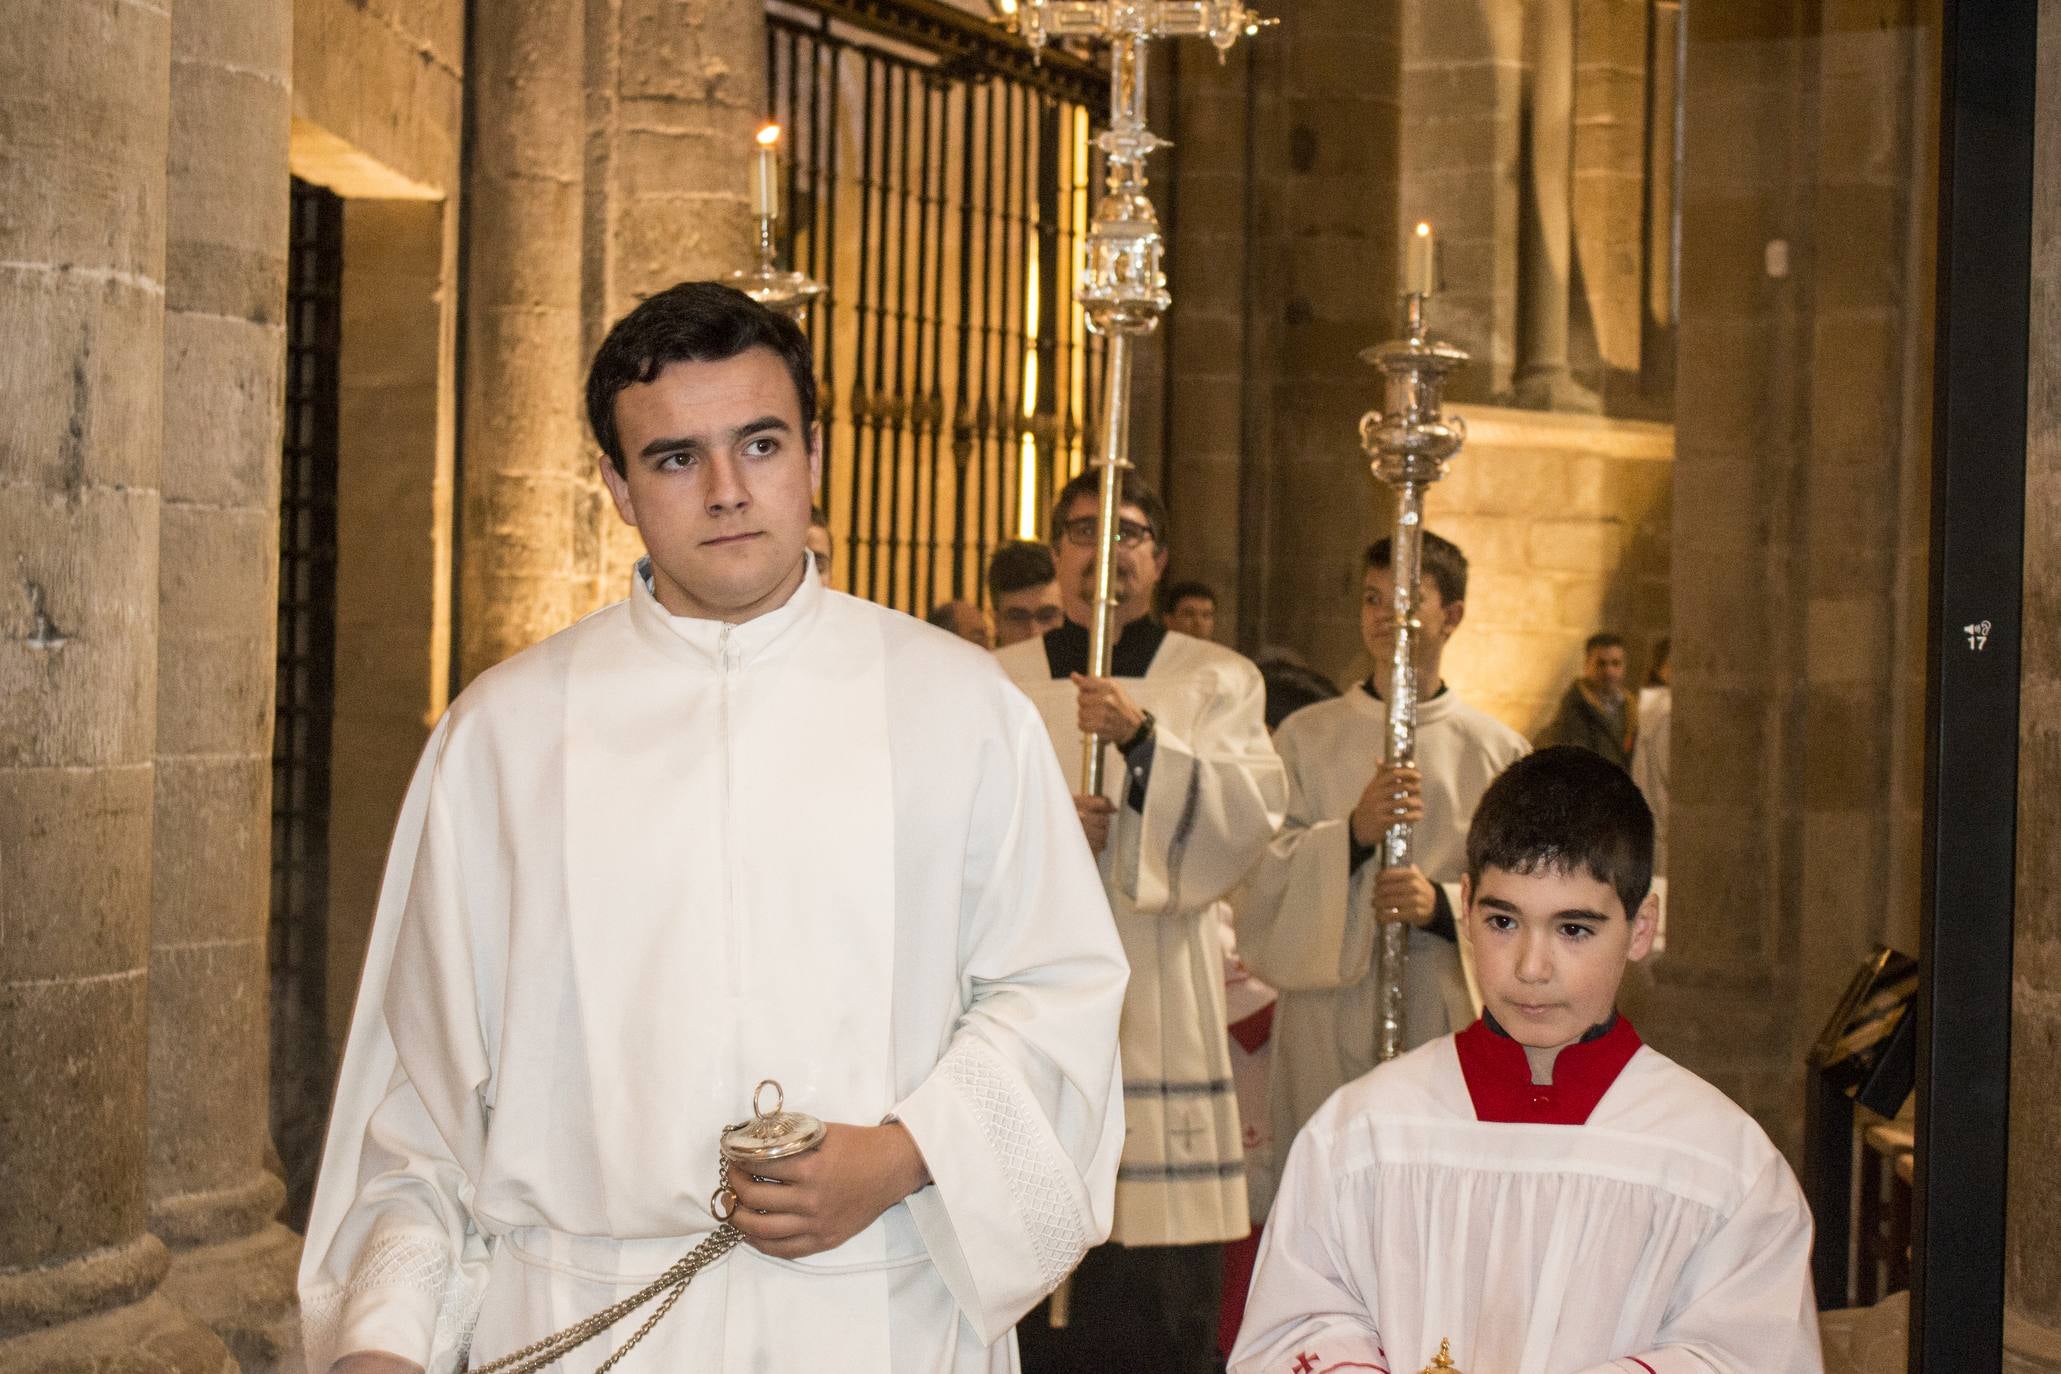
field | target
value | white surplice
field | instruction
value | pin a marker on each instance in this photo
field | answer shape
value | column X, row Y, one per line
column 1306, row 915
column 1214, row 798
column 1665, row 1235
column 644, row 865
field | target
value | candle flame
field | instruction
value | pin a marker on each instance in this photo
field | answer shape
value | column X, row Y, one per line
column 1423, row 229
column 769, row 135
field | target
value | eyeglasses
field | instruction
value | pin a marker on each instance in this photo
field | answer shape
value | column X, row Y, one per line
column 1081, row 533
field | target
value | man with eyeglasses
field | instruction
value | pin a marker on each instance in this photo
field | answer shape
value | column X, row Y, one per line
column 1023, row 587
column 1193, row 792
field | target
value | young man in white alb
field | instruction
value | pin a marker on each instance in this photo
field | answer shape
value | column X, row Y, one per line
column 735, row 827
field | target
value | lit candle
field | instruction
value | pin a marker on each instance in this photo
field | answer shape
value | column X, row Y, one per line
column 1420, row 262
column 765, row 183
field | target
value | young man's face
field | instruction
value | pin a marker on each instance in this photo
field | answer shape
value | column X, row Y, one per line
column 1027, row 613
column 1604, row 669
column 1550, row 949
column 1138, row 565
column 1193, row 615
column 1377, row 621
column 719, row 482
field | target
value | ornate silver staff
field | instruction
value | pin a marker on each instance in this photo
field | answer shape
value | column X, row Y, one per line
column 1123, row 288
column 1411, row 442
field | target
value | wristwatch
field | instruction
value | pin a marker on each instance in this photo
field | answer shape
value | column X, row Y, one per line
column 1139, row 735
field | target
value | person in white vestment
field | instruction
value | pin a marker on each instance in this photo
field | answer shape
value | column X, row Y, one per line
column 1308, row 914
column 1650, row 765
column 1192, row 792
column 1541, row 1190
column 735, row 827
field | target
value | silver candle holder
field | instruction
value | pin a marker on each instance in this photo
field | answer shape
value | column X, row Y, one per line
column 1411, row 443
column 791, row 293
column 1123, row 289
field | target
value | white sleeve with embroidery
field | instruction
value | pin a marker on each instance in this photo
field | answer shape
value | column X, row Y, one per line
column 391, row 1261
column 1021, row 1122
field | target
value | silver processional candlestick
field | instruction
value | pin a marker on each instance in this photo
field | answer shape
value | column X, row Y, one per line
column 1411, row 442
column 791, row 293
column 1123, row 286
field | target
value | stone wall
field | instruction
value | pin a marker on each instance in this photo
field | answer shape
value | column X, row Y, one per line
column 1566, row 522
column 1799, row 534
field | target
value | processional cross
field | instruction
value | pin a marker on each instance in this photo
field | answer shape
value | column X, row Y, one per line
column 1123, row 286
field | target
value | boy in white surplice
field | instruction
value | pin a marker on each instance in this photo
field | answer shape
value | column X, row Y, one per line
column 736, row 826
column 1541, row 1190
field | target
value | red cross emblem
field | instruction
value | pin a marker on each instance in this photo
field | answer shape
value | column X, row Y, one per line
column 1305, row 1362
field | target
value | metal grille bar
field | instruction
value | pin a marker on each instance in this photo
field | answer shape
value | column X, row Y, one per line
column 938, row 185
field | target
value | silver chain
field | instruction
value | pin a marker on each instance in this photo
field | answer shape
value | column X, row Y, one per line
column 555, row 1347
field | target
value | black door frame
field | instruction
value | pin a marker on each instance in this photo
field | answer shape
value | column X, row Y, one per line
column 1989, row 55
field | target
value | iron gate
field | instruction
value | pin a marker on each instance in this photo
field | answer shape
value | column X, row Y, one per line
column 939, row 184
column 300, row 1078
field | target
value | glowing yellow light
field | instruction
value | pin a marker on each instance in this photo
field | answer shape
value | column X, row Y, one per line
column 769, row 135
column 1027, row 490
column 1423, row 230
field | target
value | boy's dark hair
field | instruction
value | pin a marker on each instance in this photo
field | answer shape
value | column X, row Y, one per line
column 1019, row 565
column 1605, row 640
column 1135, row 493
column 1184, row 591
column 1661, row 648
column 1565, row 810
column 1444, row 564
column 694, row 322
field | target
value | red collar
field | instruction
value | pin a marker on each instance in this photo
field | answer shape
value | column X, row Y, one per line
column 1499, row 1076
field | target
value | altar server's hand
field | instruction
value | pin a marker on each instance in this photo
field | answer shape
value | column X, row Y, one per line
column 822, row 1199
column 1395, row 794
column 1095, row 814
column 1106, row 710
column 1404, row 894
column 374, row 1362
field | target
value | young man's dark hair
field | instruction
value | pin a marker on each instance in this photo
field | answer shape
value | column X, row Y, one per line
column 1443, row 563
column 1661, row 648
column 1018, row 565
column 1605, row 640
column 694, row 322
column 1135, row 493
column 1183, row 591
column 1565, row 810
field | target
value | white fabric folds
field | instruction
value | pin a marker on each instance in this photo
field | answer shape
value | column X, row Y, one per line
column 652, row 861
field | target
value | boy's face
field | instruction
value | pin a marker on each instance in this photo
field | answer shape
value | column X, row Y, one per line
column 1550, row 949
column 1437, row 620
column 718, row 480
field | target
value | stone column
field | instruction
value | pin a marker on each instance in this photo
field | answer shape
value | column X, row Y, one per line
column 1547, row 274
column 677, row 90
column 83, row 119
column 530, row 499
column 210, row 1199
